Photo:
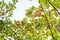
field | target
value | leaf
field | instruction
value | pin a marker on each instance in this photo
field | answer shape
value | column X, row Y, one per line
column 47, row 6
column 56, row 14
column 56, row 3
column 59, row 20
column 41, row 19
column 14, row 1
column 43, row 1
column 10, row 14
column 29, row 33
column 30, row 11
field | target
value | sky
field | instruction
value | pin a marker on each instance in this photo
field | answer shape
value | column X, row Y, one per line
column 22, row 5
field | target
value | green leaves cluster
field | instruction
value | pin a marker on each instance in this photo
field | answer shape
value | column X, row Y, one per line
column 31, row 28
column 6, row 25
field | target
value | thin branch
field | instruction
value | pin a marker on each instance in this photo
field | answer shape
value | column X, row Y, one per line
column 50, row 28
column 41, row 5
column 53, row 7
column 48, row 22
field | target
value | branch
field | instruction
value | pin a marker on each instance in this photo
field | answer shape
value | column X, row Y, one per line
column 53, row 7
column 41, row 5
column 50, row 28
column 48, row 21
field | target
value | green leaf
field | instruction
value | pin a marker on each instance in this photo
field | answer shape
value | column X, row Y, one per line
column 30, row 11
column 41, row 19
column 47, row 6
column 14, row 1
column 43, row 1
column 59, row 20
column 56, row 14
column 10, row 14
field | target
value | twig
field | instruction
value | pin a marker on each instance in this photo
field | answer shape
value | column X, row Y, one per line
column 50, row 28
column 48, row 21
column 41, row 5
column 53, row 7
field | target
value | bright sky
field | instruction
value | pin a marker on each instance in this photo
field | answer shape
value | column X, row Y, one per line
column 22, row 5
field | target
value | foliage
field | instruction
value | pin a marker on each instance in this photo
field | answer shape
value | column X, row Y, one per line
column 6, row 25
column 40, row 22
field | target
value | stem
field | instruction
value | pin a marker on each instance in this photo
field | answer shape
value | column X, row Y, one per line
column 50, row 29
column 41, row 5
column 53, row 7
column 48, row 21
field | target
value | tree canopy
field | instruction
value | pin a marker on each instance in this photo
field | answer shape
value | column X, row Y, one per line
column 40, row 22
